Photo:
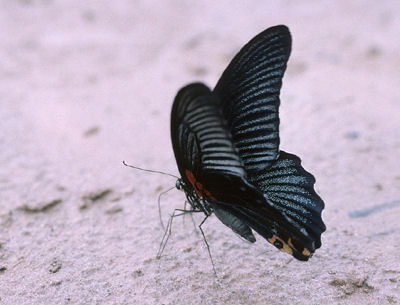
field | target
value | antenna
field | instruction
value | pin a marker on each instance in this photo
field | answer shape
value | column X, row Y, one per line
column 162, row 193
column 149, row 170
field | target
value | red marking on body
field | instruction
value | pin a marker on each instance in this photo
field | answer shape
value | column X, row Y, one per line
column 198, row 187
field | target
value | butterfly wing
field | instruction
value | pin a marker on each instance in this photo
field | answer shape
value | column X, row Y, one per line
column 290, row 189
column 249, row 93
column 295, row 224
column 200, row 138
column 207, row 160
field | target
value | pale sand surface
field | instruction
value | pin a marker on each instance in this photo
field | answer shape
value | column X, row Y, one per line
column 87, row 84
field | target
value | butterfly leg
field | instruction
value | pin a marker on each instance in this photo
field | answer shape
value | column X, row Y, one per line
column 191, row 217
column 168, row 229
column 184, row 207
column 159, row 206
column 208, row 247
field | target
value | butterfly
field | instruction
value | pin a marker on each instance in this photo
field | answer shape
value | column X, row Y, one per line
column 226, row 145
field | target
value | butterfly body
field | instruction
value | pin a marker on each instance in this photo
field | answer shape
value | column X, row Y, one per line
column 226, row 144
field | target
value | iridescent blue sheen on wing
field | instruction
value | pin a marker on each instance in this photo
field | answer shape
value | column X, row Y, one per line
column 289, row 188
column 249, row 93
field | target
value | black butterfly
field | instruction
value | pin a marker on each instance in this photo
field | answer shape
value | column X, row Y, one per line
column 226, row 144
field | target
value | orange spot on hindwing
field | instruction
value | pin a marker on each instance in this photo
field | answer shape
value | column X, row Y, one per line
column 288, row 246
column 280, row 244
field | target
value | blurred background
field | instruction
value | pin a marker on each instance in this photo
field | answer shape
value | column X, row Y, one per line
column 87, row 84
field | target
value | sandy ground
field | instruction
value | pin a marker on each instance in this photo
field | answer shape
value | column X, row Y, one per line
column 87, row 84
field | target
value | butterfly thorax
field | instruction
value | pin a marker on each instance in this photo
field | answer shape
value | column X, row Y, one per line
column 198, row 204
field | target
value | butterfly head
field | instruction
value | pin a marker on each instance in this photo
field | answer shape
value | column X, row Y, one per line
column 179, row 184
column 182, row 186
column 197, row 203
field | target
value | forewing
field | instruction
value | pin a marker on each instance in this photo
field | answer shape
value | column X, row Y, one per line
column 207, row 159
column 249, row 93
column 201, row 141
